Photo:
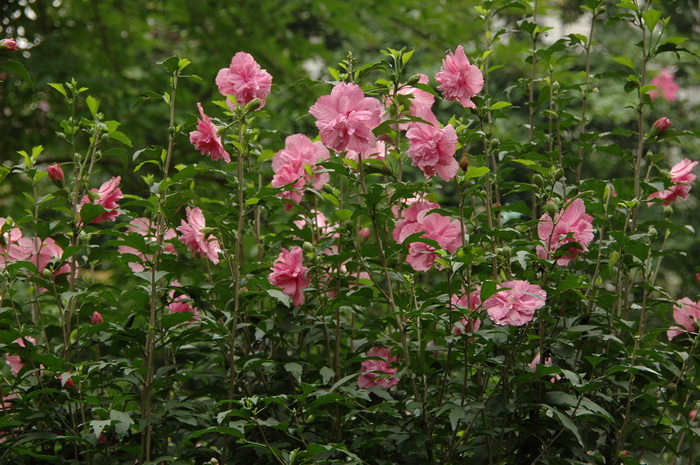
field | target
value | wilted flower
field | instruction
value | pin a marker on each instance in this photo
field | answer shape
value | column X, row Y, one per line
column 459, row 80
column 547, row 362
column 666, row 86
column 346, row 118
column 206, row 138
column 107, row 195
column 197, row 241
column 572, row 224
column 289, row 274
column 244, row 79
column 516, row 304
column 687, row 315
column 369, row 377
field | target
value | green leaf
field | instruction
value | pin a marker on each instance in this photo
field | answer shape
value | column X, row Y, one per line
column 326, row 374
column 626, row 62
column 567, row 423
column 488, row 288
column 93, row 105
column 343, row 214
column 90, row 211
column 651, row 17
column 281, row 296
column 295, row 370
column 18, row 68
column 499, row 105
column 476, row 172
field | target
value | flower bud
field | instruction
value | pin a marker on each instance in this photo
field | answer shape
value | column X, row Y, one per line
column 308, row 246
column 364, row 233
column 8, row 45
column 668, row 211
column 653, row 234
column 66, row 383
column 413, row 80
column 505, row 250
column 659, row 126
column 96, row 318
column 55, row 174
column 558, row 174
column 538, row 180
column 552, row 209
column 464, row 163
column 253, row 105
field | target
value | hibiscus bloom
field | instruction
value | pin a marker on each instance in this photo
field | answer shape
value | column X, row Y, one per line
column 244, row 79
column 206, row 138
column 448, row 234
column 572, row 224
column 687, row 315
column 547, row 362
column 516, row 304
column 459, row 80
column 289, row 274
column 471, row 301
column 47, row 251
column 410, row 215
column 107, row 195
column 346, row 118
column 682, row 178
column 666, row 86
column 431, row 148
column 13, row 247
column 15, row 361
column 197, row 241
column 181, row 303
column 369, row 368
column 144, row 227
column 289, row 165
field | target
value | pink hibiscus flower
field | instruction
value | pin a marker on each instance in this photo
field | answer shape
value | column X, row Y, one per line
column 206, row 138
column 432, row 149
column 459, row 80
column 290, row 163
column 48, row 251
column 687, row 315
column 181, row 303
column 572, row 224
column 289, row 274
column 471, row 302
column 410, row 216
column 666, row 86
column 369, row 368
column 107, row 195
column 377, row 152
column 244, row 79
column 144, row 227
column 197, row 241
column 448, row 234
column 13, row 247
column 516, row 304
column 346, row 118
column 547, row 362
column 681, row 178
column 15, row 361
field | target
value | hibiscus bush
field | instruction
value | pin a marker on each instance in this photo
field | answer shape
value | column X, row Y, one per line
column 431, row 274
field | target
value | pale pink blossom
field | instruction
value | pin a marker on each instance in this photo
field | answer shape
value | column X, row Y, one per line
column 448, row 235
column 364, row 233
column 470, row 323
column 289, row 165
column 144, row 227
column 687, row 315
column 289, row 274
column 572, row 224
column 421, row 101
column 431, row 148
column 13, row 247
column 666, row 86
column 547, row 362
column 682, row 178
column 244, row 79
column 107, row 195
column 206, row 138
column 197, row 241
column 516, row 303
column 15, row 361
column 378, row 372
column 346, row 118
column 459, row 80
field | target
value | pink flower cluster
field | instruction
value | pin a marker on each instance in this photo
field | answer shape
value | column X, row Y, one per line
column 245, row 80
column 107, row 195
column 197, row 240
column 666, row 86
column 206, row 138
column 515, row 304
column 346, row 118
column 144, row 227
column 378, row 372
column 471, row 302
column 572, row 224
column 289, row 165
column 289, row 273
column 682, row 178
column 687, row 315
column 459, row 80
column 417, row 219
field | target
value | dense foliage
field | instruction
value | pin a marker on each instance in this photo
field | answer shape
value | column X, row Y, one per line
column 483, row 256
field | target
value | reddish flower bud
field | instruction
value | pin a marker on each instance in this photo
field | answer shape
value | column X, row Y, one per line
column 364, row 233
column 96, row 318
column 8, row 45
column 659, row 126
column 464, row 163
column 67, row 384
column 55, row 174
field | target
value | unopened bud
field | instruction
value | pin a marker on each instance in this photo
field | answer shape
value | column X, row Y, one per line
column 413, row 80
column 495, row 143
column 558, row 174
column 364, row 233
column 668, row 211
column 538, row 180
column 614, row 258
column 659, row 126
column 55, row 174
column 96, row 318
column 66, row 383
column 464, row 163
column 8, row 45
column 308, row 247
column 505, row 250
column 253, row 105
column 552, row 209
column 653, row 234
